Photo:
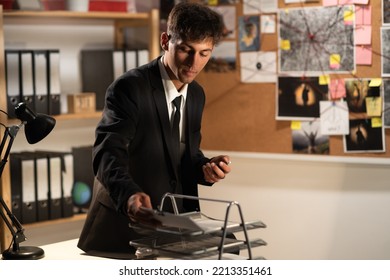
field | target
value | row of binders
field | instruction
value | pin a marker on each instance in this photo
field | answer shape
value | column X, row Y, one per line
column 99, row 67
column 33, row 77
column 41, row 185
column 124, row 60
column 48, row 185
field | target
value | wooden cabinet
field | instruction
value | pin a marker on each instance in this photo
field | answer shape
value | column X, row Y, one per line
column 120, row 21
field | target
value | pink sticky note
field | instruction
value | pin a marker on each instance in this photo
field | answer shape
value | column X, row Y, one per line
column 350, row 2
column 363, row 34
column 327, row 3
column 363, row 55
column 346, row 2
column 363, row 15
column 337, row 88
column 362, row 2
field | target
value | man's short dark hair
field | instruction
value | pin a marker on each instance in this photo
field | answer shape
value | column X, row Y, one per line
column 194, row 22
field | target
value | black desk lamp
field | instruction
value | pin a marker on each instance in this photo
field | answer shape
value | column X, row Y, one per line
column 36, row 127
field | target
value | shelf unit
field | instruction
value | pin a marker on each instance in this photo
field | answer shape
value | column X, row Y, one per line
column 120, row 20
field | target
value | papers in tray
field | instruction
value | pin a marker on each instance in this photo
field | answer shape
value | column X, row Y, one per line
column 204, row 246
column 193, row 223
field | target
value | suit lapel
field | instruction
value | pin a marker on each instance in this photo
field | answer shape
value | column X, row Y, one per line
column 162, row 111
column 189, row 112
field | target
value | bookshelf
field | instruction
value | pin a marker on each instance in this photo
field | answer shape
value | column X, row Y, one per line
column 120, row 21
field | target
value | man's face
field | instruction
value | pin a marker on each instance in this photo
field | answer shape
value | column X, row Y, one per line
column 185, row 60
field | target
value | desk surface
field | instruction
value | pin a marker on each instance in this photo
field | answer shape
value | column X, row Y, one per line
column 66, row 250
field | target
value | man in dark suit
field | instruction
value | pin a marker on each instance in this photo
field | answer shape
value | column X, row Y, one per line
column 135, row 158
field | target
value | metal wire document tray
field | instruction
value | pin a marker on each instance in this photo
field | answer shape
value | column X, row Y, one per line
column 194, row 235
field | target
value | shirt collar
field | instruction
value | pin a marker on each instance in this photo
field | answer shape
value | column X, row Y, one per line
column 170, row 90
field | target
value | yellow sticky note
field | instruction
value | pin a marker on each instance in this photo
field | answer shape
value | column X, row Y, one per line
column 213, row 2
column 334, row 61
column 324, row 80
column 296, row 125
column 375, row 82
column 376, row 122
column 285, row 45
column 349, row 16
column 374, row 106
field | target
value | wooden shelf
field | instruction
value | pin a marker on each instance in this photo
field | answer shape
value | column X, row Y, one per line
column 77, row 15
column 93, row 115
column 76, row 217
column 66, row 117
column 121, row 20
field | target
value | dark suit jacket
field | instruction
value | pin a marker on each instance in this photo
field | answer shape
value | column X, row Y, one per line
column 132, row 153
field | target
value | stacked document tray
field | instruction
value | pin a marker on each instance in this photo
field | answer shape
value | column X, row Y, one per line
column 195, row 235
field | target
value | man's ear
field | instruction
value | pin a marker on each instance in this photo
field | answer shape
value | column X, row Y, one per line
column 164, row 41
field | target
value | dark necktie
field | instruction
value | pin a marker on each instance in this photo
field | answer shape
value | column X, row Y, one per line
column 175, row 129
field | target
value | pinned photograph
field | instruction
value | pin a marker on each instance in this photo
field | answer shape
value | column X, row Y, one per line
column 359, row 93
column 365, row 135
column 307, row 139
column 316, row 40
column 386, row 12
column 258, row 67
column 385, row 54
column 334, row 117
column 228, row 14
column 386, row 103
column 298, row 98
column 223, row 58
column 249, row 33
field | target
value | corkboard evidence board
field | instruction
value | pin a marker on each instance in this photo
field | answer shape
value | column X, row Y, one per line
column 241, row 116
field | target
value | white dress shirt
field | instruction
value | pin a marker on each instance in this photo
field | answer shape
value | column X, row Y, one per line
column 170, row 94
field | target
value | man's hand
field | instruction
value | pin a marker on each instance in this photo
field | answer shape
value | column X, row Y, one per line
column 137, row 209
column 216, row 169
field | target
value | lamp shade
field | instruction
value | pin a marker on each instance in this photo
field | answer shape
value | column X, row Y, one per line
column 36, row 126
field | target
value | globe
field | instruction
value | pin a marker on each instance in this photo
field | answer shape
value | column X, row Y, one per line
column 81, row 194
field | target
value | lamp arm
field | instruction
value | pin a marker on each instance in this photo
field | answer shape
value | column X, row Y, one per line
column 18, row 234
column 4, row 205
column 9, row 132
